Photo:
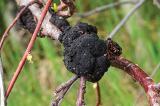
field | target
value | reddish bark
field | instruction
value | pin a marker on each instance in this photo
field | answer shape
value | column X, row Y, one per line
column 152, row 90
column 81, row 92
column 28, row 50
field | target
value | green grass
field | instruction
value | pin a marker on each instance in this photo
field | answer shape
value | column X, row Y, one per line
column 139, row 39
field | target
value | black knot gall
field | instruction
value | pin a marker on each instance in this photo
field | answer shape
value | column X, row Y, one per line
column 84, row 52
column 27, row 21
column 58, row 21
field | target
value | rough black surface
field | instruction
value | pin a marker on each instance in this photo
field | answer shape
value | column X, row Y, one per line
column 27, row 20
column 84, row 52
column 59, row 21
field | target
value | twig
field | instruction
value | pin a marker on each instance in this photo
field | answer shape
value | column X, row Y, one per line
column 80, row 98
column 98, row 93
column 28, row 50
column 5, row 35
column 125, row 19
column 152, row 90
column 66, row 4
column 2, row 94
column 157, row 3
column 155, row 70
column 104, row 7
column 62, row 90
column 66, row 84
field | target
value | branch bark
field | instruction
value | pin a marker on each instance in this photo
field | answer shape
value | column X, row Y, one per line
column 62, row 90
column 152, row 90
column 47, row 28
column 29, row 47
column 82, row 87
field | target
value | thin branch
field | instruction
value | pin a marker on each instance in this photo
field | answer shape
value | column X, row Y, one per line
column 62, row 90
column 2, row 94
column 155, row 70
column 28, row 50
column 98, row 93
column 152, row 90
column 66, row 84
column 125, row 19
column 82, row 87
column 104, row 7
column 66, row 4
column 5, row 35
column 157, row 3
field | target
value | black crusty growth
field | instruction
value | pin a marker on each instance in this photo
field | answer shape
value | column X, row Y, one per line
column 84, row 53
column 27, row 20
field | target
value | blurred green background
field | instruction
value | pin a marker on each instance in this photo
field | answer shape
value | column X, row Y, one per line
column 139, row 39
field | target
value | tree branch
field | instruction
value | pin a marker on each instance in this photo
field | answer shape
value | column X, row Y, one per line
column 104, row 7
column 125, row 19
column 152, row 90
column 141, row 93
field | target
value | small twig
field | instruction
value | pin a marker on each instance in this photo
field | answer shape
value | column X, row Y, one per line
column 98, row 93
column 28, row 50
column 157, row 3
column 104, row 7
column 155, row 70
column 62, row 90
column 125, row 19
column 80, row 98
column 5, row 35
column 66, row 84
column 2, row 94
column 66, row 4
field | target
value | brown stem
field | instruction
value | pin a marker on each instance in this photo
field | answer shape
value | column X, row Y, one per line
column 98, row 93
column 62, row 90
column 61, row 6
column 66, row 4
column 66, row 84
column 152, row 90
column 5, row 35
column 28, row 50
column 81, row 92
